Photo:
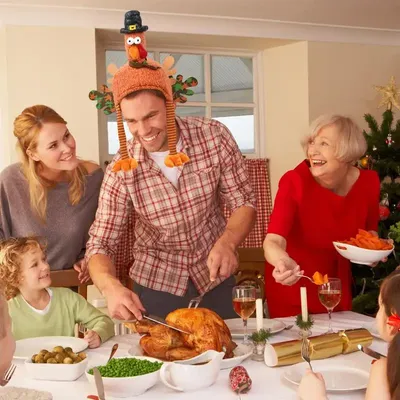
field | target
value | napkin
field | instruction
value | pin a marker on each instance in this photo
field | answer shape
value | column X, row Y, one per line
column 14, row 393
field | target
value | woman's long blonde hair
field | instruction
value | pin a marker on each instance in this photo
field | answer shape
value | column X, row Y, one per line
column 27, row 127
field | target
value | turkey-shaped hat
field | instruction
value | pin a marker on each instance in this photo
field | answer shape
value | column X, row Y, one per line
column 139, row 73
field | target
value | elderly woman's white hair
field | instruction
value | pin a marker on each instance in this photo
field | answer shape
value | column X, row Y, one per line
column 351, row 143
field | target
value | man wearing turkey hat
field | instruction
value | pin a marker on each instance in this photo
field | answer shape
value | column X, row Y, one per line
column 172, row 176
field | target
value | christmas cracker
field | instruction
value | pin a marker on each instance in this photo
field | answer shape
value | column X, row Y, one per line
column 322, row 346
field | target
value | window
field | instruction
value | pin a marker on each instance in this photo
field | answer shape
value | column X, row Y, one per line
column 225, row 91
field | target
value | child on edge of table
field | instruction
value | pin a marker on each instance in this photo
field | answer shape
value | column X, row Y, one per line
column 384, row 379
column 35, row 308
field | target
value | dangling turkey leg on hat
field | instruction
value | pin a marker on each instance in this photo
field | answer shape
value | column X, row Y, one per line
column 140, row 74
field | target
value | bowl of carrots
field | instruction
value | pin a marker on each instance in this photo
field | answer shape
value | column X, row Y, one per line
column 366, row 248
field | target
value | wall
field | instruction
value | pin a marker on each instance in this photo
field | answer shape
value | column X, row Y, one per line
column 55, row 66
column 341, row 77
column 286, row 106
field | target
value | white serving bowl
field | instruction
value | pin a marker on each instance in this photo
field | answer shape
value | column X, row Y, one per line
column 56, row 372
column 359, row 255
column 130, row 386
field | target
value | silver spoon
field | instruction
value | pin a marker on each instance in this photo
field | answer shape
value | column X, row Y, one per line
column 113, row 351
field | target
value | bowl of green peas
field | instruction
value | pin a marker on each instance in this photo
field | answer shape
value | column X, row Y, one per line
column 127, row 376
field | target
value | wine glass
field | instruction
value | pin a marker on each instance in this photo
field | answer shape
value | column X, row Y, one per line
column 329, row 295
column 244, row 304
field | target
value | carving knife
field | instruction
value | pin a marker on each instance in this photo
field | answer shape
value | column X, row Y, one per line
column 158, row 320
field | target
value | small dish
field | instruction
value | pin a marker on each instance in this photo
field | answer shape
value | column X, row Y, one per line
column 55, row 372
column 127, row 386
column 358, row 255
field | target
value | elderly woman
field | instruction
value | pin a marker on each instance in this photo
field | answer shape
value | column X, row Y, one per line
column 325, row 198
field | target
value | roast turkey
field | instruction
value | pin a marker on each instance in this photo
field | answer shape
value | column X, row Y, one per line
column 207, row 331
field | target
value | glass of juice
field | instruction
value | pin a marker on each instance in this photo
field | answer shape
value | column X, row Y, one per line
column 244, row 304
column 329, row 295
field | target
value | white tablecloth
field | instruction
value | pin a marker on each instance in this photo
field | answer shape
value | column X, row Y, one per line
column 268, row 383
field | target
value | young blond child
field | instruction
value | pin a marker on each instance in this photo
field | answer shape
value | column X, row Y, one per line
column 384, row 380
column 35, row 308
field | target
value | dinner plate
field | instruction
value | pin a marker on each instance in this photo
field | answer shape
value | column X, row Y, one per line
column 339, row 377
column 26, row 348
column 235, row 325
column 373, row 329
column 241, row 352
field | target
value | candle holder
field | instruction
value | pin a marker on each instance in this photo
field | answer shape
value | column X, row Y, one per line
column 304, row 326
column 259, row 339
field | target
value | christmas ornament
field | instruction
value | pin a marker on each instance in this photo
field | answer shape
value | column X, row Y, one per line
column 240, row 380
column 384, row 212
column 385, row 200
column 389, row 140
column 374, row 148
column 364, row 162
column 390, row 95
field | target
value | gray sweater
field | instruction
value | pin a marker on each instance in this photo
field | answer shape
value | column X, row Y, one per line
column 66, row 228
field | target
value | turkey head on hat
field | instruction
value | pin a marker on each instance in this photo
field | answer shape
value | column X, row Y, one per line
column 140, row 74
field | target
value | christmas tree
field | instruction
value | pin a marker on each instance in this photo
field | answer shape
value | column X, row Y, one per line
column 383, row 156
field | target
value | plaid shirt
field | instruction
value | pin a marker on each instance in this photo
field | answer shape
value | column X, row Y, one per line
column 175, row 228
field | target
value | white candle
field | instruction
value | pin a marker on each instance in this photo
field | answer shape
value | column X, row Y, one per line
column 259, row 314
column 304, row 308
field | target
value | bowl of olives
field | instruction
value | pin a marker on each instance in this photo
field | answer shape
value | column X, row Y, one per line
column 58, row 364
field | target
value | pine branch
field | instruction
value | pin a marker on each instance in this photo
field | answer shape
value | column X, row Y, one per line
column 372, row 123
column 387, row 119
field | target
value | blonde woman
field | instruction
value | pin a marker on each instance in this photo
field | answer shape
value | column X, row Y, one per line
column 323, row 199
column 50, row 193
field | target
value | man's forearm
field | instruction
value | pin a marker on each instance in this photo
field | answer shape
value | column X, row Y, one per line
column 239, row 225
column 102, row 272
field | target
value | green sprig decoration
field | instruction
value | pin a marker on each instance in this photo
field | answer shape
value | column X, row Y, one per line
column 261, row 336
column 304, row 325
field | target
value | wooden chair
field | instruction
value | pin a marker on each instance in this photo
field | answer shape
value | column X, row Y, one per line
column 69, row 278
column 251, row 268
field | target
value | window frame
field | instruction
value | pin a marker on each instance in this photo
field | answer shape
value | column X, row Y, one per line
column 258, row 95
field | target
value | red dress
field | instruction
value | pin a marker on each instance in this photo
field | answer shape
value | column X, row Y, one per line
column 310, row 217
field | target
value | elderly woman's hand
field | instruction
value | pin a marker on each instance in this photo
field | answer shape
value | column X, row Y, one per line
column 390, row 241
column 287, row 271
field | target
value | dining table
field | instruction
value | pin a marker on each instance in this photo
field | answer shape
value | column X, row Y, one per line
column 267, row 382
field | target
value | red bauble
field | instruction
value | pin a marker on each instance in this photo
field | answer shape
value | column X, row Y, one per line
column 384, row 212
column 240, row 380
